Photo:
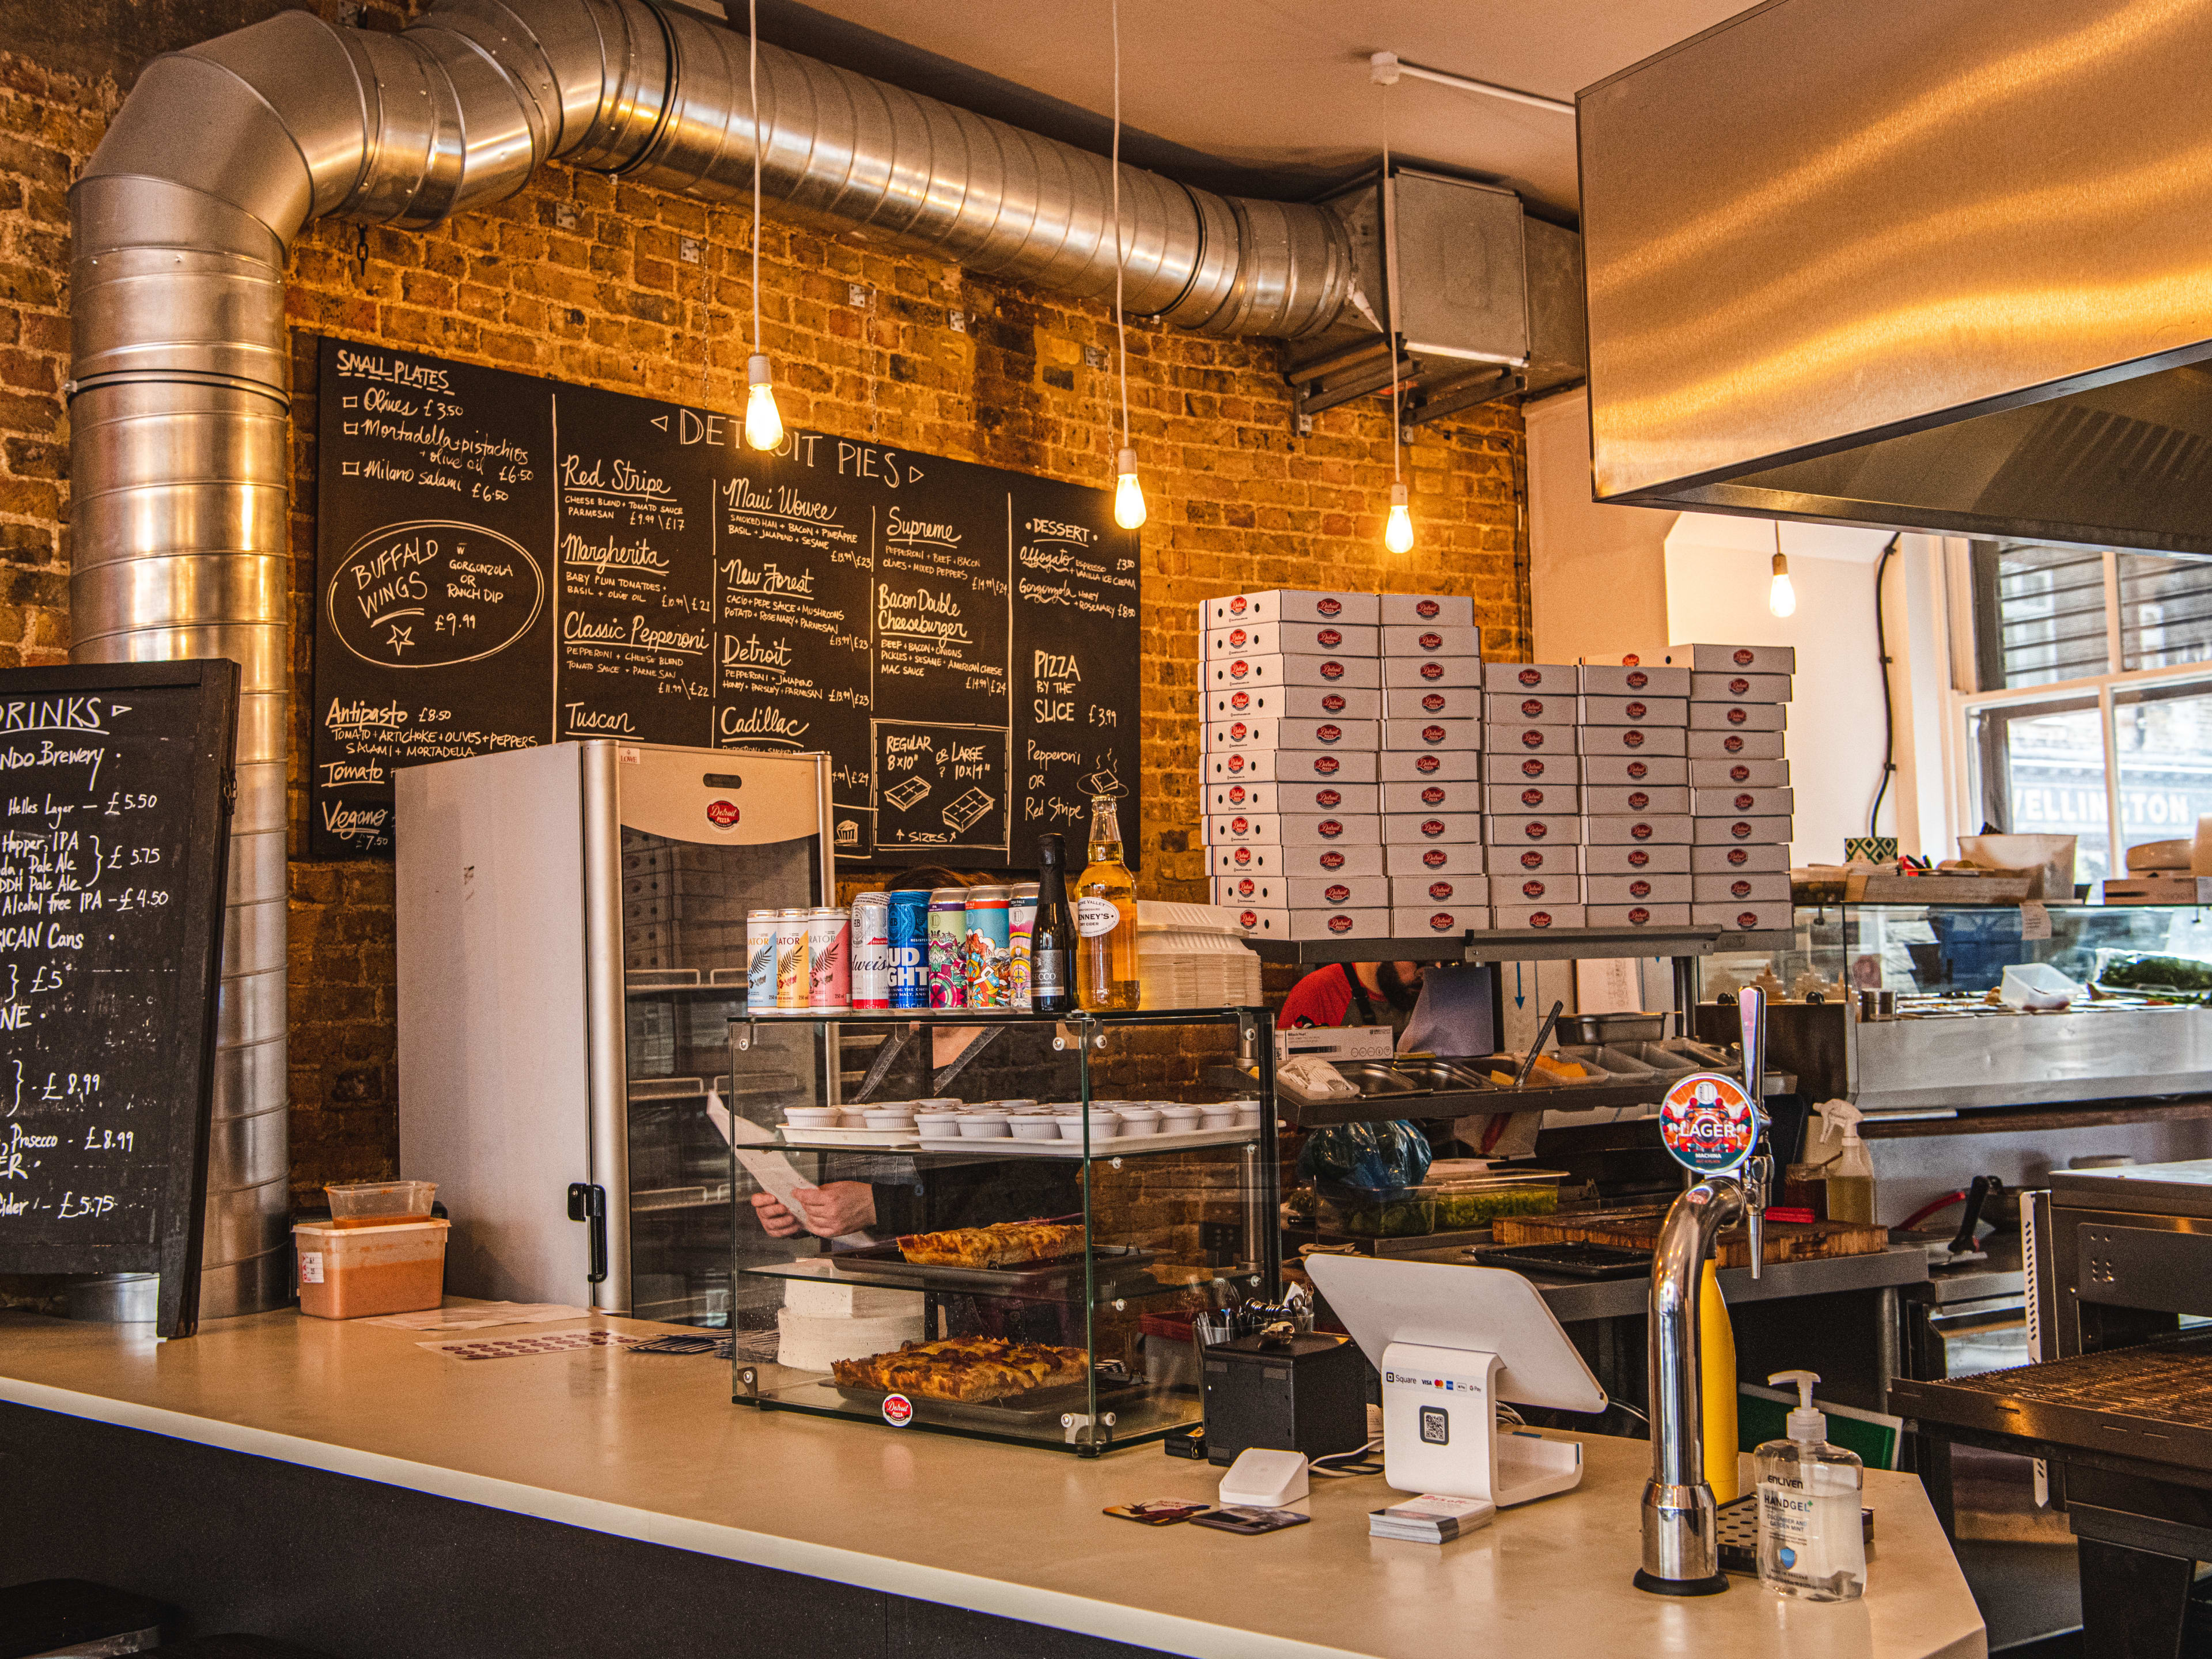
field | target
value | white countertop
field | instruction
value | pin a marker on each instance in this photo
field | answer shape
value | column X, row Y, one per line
column 651, row 1448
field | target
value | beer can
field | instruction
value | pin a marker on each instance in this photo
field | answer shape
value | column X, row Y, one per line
column 760, row 960
column 986, row 918
column 872, row 952
column 948, row 947
column 828, row 962
column 1021, row 922
column 911, row 948
column 792, row 975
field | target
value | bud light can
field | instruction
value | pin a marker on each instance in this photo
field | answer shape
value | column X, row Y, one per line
column 872, row 952
column 760, row 960
column 948, row 947
column 909, row 954
column 828, row 962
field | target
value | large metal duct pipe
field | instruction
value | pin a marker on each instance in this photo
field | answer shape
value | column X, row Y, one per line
column 180, row 387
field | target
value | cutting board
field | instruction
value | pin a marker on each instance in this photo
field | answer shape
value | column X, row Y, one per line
column 1638, row 1230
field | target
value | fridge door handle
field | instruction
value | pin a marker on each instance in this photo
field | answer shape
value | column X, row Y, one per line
column 588, row 1203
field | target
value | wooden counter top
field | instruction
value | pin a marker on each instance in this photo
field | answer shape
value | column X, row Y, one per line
column 650, row 1448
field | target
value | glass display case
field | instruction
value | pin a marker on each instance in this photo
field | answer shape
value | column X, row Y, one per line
column 992, row 1223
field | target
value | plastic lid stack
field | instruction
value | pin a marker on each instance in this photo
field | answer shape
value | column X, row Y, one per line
column 1740, row 798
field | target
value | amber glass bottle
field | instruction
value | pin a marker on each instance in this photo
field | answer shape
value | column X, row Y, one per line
column 1106, row 918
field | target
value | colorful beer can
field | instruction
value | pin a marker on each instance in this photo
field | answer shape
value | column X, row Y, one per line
column 1021, row 922
column 948, row 947
column 909, row 953
column 987, row 924
column 828, row 962
column 872, row 952
column 792, row 988
column 760, row 960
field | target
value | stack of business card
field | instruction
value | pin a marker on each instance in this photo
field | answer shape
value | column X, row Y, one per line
column 1429, row 1519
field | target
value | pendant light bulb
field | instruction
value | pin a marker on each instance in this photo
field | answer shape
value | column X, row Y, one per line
column 763, row 422
column 1398, row 528
column 1128, row 494
column 1781, row 597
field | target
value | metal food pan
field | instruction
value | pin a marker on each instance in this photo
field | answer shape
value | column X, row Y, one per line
column 1597, row 1029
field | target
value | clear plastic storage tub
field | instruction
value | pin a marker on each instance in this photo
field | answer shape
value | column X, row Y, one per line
column 381, row 1201
column 353, row 1271
column 1455, row 1203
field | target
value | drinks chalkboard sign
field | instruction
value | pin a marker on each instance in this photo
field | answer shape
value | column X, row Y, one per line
column 114, row 850
column 505, row 560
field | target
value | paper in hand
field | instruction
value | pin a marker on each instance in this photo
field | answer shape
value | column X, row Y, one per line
column 771, row 1169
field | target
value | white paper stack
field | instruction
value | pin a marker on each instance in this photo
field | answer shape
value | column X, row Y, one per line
column 1430, row 1520
column 1633, row 736
column 820, row 1323
column 1432, row 765
column 1740, row 787
column 1193, row 955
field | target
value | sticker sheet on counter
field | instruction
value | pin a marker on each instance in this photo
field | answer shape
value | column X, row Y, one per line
column 505, row 561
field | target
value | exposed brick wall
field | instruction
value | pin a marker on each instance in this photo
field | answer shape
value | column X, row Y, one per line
column 582, row 277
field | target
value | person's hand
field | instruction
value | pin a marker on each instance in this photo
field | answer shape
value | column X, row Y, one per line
column 776, row 1221
column 843, row 1206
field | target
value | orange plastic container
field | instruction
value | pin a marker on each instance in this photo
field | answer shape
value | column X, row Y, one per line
column 353, row 1271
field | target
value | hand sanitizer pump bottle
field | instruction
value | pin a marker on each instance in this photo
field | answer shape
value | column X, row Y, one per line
column 1810, row 1541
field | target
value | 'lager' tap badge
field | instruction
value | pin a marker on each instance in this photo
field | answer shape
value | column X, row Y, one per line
column 1440, row 890
column 1331, row 637
column 1432, row 670
column 1332, row 670
column 1427, row 610
column 1435, row 858
column 1331, row 859
column 1328, row 607
column 1531, row 677
column 1328, row 799
column 1707, row 1124
column 1332, row 703
column 1638, row 857
column 1433, row 703
column 1638, row 916
column 1636, row 769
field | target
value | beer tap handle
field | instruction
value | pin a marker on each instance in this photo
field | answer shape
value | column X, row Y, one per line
column 1757, row 1173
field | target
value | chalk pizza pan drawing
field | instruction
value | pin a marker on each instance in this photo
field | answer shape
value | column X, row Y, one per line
column 938, row 785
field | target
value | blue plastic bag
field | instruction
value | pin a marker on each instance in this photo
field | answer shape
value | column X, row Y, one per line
column 1378, row 1157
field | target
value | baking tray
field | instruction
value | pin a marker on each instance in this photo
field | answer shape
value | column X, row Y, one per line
column 882, row 1262
column 1574, row 1260
column 1007, row 1146
column 1041, row 1408
column 806, row 1139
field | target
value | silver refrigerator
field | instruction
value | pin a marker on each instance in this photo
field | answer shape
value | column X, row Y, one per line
column 572, row 948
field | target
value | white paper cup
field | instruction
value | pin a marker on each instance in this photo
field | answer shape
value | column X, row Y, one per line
column 811, row 1117
column 1218, row 1117
column 982, row 1126
column 1138, row 1120
column 1029, row 1127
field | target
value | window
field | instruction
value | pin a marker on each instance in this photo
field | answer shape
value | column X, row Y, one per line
column 2094, row 696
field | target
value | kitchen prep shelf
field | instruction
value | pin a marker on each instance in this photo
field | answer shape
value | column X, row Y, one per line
column 1522, row 944
column 1470, row 1102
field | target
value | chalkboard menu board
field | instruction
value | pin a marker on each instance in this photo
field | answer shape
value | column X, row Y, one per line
column 505, row 561
column 113, row 853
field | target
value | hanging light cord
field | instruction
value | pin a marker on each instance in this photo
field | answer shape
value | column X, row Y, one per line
column 1120, row 251
column 1390, row 337
column 752, row 83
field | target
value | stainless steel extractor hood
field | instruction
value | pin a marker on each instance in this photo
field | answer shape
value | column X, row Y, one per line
column 1933, row 263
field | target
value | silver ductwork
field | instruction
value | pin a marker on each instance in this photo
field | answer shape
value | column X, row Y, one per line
column 180, row 384
column 1938, row 266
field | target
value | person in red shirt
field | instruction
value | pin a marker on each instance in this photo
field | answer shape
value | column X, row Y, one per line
column 1347, row 992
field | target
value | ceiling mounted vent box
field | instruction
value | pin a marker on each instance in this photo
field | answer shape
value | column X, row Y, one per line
column 1488, row 300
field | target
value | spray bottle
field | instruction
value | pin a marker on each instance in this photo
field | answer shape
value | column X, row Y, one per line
column 1811, row 1545
column 1850, row 1173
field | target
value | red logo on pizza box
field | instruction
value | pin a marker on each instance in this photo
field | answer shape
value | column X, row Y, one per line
column 1747, row 918
column 1428, row 610
column 1328, row 799
column 1531, row 798
column 898, row 1410
column 1239, row 826
column 1426, row 762
column 1738, row 686
column 1440, row 890
column 1434, row 734
column 1532, row 769
column 1636, row 769
column 1641, row 831
column 1332, row 670
column 1738, row 856
column 1637, row 857
column 1236, row 794
column 1739, row 774
column 1632, row 738
column 1432, row 796
column 1743, row 802
column 1442, row 922
column 1740, row 830
column 1330, row 607
column 1639, row 801
column 1238, row 729
column 1638, row 916
column 1636, row 711
column 1328, row 733
column 1236, row 764
column 1326, row 765
column 1243, row 855
column 722, row 813
column 1531, row 677
column 1331, row 637
column 1532, row 738
column 1536, row 830
column 1236, row 605
column 1638, row 680
column 1737, row 716
column 1532, row 860
column 1745, row 659
column 1340, row 923
column 1532, row 708
column 1432, row 826
column 1332, row 703
column 1639, row 889
column 1330, row 828
column 1249, row 918
column 1240, row 701
column 1237, row 638
column 1733, row 744
column 1433, row 703
column 1331, row 859
column 1540, row 919
column 1336, row 893
column 1432, row 670
column 1247, row 887
column 1435, row 858
column 1739, row 890
column 1432, row 642
column 1532, row 890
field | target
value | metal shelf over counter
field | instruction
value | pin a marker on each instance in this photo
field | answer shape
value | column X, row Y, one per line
column 1523, row 944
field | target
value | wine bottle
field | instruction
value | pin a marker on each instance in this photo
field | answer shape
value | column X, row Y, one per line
column 1106, row 918
column 1052, row 936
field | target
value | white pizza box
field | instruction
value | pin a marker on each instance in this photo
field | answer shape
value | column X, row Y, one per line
column 1633, row 740
column 1432, row 887
column 1291, row 604
column 1545, row 887
column 1412, row 766
column 1435, row 639
column 1270, row 923
column 1244, row 795
column 1742, row 887
column 1620, row 771
column 1245, row 732
column 1259, row 859
column 1531, row 709
column 1535, row 859
column 1532, row 829
column 1670, row 858
column 1643, row 887
column 1745, row 800
column 1290, row 703
column 1418, row 673
column 1413, row 829
column 1634, row 679
column 1739, row 688
column 1548, row 679
column 1433, row 795
column 1438, row 921
column 1719, row 860
column 1519, row 738
column 813, row 1299
column 1614, row 799
column 1639, row 828
column 1542, row 766
column 1739, row 717
column 1524, row 798
column 1747, row 831
column 815, row 1342
column 1292, row 828
column 1414, row 609
column 1227, row 673
column 1638, row 915
column 1338, row 893
column 1738, row 774
column 1405, row 736
column 1290, row 639
column 1742, row 918
column 1289, row 765
column 1266, row 892
column 1634, row 711
column 1508, row 918
column 1454, row 858
column 1735, row 658
column 1432, row 702
column 1301, row 795
column 1735, row 745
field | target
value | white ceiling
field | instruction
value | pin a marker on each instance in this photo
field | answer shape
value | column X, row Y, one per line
column 1277, row 90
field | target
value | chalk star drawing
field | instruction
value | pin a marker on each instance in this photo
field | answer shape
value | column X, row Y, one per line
column 401, row 640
